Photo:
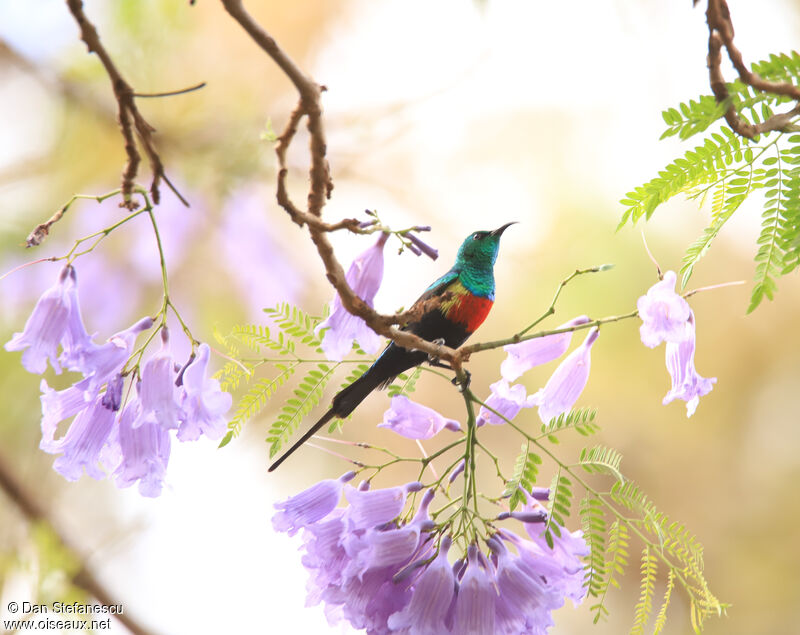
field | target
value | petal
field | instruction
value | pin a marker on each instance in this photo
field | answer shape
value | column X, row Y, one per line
column 539, row 350
column 413, row 420
column 567, row 382
column 44, row 329
column 364, row 276
column 432, row 596
column 506, row 400
column 475, row 604
column 309, row 506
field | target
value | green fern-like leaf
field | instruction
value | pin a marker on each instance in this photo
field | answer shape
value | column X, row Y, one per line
column 560, row 504
column 780, row 228
column 307, row 395
column 661, row 618
column 692, row 117
column 601, row 459
column 644, row 607
column 593, row 523
column 407, row 383
column 616, row 561
column 232, row 373
column 580, row 420
column 526, row 468
column 696, row 167
column 255, row 399
column 296, row 323
column 257, row 337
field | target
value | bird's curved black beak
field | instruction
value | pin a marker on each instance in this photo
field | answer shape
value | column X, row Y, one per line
column 499, row 231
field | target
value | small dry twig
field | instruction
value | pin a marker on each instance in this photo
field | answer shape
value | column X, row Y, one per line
column 132, row 124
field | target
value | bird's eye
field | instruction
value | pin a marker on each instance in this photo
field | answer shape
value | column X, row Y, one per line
column 477, row 235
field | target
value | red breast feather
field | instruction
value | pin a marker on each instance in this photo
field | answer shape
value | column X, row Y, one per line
column 467, row 309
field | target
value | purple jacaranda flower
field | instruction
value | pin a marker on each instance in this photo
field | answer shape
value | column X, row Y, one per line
column 525, row 595
column 564, row 567
column 158, row 392
column 422, row 246
column 686, row 383
column 76, row 340
column 664, row 313
column 99, row 363
column 144, row 451
column 560, row 565
column 81, row 446
column 375, row 507
column 567, row 382
column 507, row 400
column 431, row 598
column 309, row 506
column 58, row 405
column 415, row 421
column 539, row 350
column 475, row 604
column 383, row 546
column 45, row 328
column 202, row 402
column 364, row 277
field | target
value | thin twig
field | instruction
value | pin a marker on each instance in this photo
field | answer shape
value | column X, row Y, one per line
column 172, row 93
column 131, row 122
column 34, row 512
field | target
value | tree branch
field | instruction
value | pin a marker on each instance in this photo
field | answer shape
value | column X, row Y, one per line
column 320, row 189
column 720, row 33
column 132, row 124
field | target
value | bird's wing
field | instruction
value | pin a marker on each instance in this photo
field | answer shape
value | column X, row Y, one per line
column 439, row 287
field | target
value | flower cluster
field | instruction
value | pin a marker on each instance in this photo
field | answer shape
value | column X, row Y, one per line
column 666, row 317
column 116, row 431
column 560, row 392
column 381, row 571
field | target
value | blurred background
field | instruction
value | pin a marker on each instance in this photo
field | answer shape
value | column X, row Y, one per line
column 457, row 114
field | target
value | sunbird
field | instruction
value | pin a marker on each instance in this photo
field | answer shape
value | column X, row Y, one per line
column 467, row 295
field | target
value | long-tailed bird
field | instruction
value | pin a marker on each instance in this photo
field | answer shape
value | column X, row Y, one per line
column 467, row 295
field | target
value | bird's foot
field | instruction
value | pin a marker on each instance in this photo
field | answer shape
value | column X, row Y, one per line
column 434, row 361
column 462, row 386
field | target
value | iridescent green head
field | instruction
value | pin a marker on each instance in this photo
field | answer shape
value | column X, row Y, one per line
column 475, row 261
column 480, row 248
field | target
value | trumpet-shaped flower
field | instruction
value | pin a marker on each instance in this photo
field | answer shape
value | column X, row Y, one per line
column 539, row 350
column 567, row 382
column 144, row 452
column 310, row 505
column 663, row 312
column 475, row 610
column 686, row 383
column 364, row 276
column 202, row 402
column 506, row 400
column 159, row 394
column 81, row 446
column 45, row 328
column 431, row 598
column 415, row 421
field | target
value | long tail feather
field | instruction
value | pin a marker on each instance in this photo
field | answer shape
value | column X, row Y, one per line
column 343, row 404
column 311, row 432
